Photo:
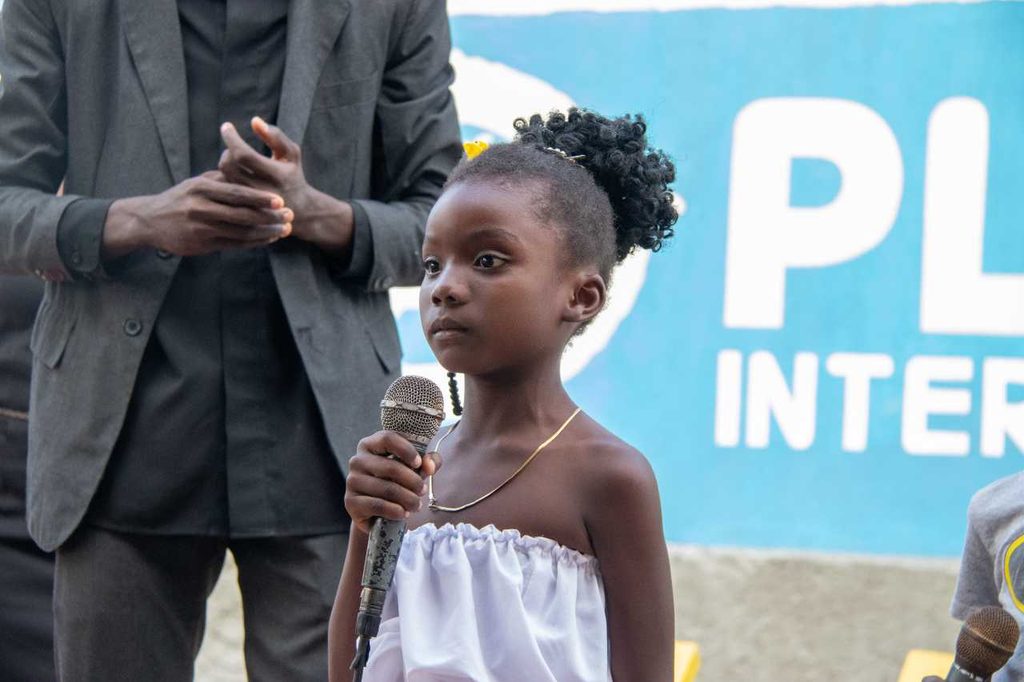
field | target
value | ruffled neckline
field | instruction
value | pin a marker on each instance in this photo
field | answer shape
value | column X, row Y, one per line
column 469, row 533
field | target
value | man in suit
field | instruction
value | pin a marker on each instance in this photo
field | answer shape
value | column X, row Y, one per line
column 26, row 572
column 215, row 333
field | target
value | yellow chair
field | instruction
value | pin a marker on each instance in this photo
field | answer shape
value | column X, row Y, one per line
column 921, row 663
column 688, row 661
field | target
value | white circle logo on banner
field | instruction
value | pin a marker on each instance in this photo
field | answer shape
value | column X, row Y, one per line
column 489, row 95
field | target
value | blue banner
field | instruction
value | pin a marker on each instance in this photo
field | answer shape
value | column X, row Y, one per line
column 828, row 355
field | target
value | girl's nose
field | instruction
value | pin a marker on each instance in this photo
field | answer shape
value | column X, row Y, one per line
column 449, row 288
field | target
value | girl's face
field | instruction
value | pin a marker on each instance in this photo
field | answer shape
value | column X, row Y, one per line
column 497, row 294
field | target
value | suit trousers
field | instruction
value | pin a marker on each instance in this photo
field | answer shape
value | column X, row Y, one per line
column 131, row 607
column 26, row 611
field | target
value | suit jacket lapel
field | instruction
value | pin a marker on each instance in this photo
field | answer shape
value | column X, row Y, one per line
column 313, row 27
column 153, row 31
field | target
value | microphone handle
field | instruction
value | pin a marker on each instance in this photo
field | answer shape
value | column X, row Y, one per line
column 958, row 674
column 382, row 549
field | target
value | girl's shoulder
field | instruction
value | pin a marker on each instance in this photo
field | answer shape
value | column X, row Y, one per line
column 618, row 495
column 615, row 472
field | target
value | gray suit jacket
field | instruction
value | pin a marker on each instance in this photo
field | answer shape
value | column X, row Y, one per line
column 93, row 93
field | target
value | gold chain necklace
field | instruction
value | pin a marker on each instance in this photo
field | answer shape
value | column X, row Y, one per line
column 433, row 505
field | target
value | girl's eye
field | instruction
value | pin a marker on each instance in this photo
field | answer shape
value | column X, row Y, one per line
column 431, row 266
column 489, row 261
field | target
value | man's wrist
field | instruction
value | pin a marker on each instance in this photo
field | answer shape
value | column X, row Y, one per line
column 122, row 231
column 330, row 223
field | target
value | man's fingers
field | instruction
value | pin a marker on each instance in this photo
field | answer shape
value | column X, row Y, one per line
column 280, row 144
column 234, row 245
column 232, row 140
column 231, row 194
column 237, row 235
column 242, row 157
column 215, row 213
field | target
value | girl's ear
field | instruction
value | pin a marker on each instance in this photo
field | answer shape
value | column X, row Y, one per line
column 588, row 298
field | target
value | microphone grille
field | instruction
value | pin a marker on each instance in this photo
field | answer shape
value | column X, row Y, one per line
column 413, row 406
column 987, row 640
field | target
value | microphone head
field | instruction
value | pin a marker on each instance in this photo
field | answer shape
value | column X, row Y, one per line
column 986, row 641
column 414, row 407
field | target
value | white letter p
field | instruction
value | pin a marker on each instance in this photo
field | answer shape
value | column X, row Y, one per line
column 766, row 235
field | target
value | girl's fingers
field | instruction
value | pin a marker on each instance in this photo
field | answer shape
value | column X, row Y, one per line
column 362, row 507
column 431, row 463
column 385, row 469
column 369, row 486
column 391, row 443
column 384, row 477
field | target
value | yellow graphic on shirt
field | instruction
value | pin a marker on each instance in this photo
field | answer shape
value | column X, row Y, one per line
column 1013, row 567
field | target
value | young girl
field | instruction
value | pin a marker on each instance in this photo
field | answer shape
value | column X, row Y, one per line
column 538, row 554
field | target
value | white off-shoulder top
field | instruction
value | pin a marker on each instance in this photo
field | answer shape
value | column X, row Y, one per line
column 491, row 605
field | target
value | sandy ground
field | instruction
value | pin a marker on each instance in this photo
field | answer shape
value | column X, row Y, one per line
column 220, row 659
column 756, row 614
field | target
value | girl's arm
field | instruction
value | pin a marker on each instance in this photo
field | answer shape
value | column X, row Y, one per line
column 341, row 637
column 377, row 485
column 623, row 517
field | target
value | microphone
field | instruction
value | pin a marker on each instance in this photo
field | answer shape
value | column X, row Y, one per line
column 985, row 643
column 414, row 407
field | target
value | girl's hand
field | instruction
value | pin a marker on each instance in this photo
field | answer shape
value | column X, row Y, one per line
column 386, row 479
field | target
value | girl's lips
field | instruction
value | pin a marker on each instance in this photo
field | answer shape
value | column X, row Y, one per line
column 445, row 326
column 447, row 334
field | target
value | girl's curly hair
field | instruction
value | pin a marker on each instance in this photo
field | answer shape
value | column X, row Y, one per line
column 613, row 199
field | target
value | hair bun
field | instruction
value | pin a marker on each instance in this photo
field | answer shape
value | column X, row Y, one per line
column 615, row 151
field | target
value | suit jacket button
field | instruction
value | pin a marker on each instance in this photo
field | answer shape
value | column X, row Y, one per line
column 160, row 253
column 132, row 327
